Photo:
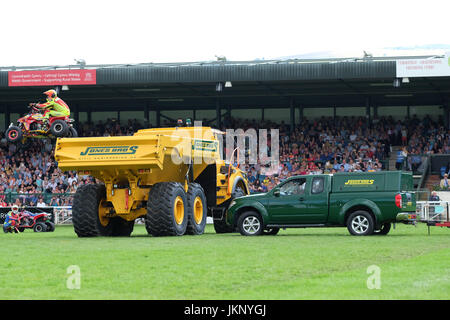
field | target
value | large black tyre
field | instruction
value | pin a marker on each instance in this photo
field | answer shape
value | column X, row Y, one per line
column 197, row 209
column 13, row 134
column 250, row 223
column 121, row 227
column 221, row 226
column 360, row 223
column 384, row 230
column 166, row 210
column 59, row 128
column 86, row 222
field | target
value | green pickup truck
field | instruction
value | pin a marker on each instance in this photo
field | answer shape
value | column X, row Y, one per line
column 365, row 203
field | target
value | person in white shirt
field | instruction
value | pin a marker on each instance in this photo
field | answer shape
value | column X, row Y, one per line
column 41, row 203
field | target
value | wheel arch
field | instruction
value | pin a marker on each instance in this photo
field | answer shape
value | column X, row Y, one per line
column 250, row 207
column 363, row 207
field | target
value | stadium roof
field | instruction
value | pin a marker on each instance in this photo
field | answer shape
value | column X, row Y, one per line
column 261, row 83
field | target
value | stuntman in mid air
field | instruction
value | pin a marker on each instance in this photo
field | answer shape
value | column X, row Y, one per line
column 54, row 107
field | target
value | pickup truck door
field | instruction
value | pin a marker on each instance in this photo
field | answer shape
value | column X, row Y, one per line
column 290, row 205
column 317, row 200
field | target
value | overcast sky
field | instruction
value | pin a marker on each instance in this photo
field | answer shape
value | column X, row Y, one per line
column 43, row 32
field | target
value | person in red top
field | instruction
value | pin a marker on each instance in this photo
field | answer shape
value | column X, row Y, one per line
column 54, row 107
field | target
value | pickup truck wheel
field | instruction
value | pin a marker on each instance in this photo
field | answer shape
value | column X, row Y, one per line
column 250, row 223
column 197, row 209
column 360, row 223
column 271, row 231
column 385, row 228
column 166, row 210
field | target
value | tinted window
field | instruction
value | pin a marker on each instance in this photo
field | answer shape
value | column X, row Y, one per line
column 293, row 187
column 317, row 185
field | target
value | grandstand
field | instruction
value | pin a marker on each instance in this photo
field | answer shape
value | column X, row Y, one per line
column 353, row 115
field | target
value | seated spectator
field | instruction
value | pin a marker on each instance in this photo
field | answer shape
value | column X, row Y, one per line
column 41, row 203
column 445, row 183
column 434, row 196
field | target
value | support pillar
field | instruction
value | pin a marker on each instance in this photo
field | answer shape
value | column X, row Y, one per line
column 218, row 114
column 292, row 111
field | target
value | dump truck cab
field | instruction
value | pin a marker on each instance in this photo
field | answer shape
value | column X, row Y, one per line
column 137, row 173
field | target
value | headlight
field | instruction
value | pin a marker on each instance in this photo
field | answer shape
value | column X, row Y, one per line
column 232, row 204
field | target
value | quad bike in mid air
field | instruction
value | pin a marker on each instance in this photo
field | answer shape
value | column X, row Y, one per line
column 33, row 125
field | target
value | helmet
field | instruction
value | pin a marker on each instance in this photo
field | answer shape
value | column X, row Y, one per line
column 51, row 94
column 15, row 208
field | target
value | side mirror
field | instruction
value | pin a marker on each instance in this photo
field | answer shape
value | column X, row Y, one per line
column 276, row 192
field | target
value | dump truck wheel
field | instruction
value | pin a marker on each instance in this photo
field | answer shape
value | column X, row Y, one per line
column 166, row 210
column 121, row 227
column 221, row 226
column 85, row 218
column 197, row 209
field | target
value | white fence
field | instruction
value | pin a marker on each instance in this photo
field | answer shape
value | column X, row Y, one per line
column 62, row 215
column 433, row 211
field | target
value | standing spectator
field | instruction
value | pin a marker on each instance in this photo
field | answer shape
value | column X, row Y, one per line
column 401, row 157
column 404, row 134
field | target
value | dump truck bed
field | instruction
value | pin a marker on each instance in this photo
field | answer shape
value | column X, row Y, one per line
column 156, row 154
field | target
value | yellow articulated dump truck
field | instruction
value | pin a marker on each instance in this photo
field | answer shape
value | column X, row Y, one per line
column 172, row 177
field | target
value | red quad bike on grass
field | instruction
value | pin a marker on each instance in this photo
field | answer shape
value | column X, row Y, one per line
column 33, row 125
column 39, row 222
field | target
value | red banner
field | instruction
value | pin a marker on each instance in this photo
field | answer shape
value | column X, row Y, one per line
column 51, row 77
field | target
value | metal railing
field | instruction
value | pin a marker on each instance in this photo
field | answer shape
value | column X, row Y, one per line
column 433, row 211
column 49, row 199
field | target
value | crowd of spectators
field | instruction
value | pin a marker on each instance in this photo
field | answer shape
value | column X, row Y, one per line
column 347, row 144
column 30, row 176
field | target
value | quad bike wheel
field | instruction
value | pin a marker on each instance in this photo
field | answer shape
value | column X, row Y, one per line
column 40, row 227
column 72, row 133
column 59, row 128
column 14, row 134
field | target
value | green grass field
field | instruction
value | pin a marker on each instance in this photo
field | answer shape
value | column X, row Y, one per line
column 295, row 264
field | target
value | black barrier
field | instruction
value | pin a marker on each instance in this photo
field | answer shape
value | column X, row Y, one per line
column 439, row 161
column 4, row 211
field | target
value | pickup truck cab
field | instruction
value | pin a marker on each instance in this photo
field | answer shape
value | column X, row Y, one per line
column 365, row 203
